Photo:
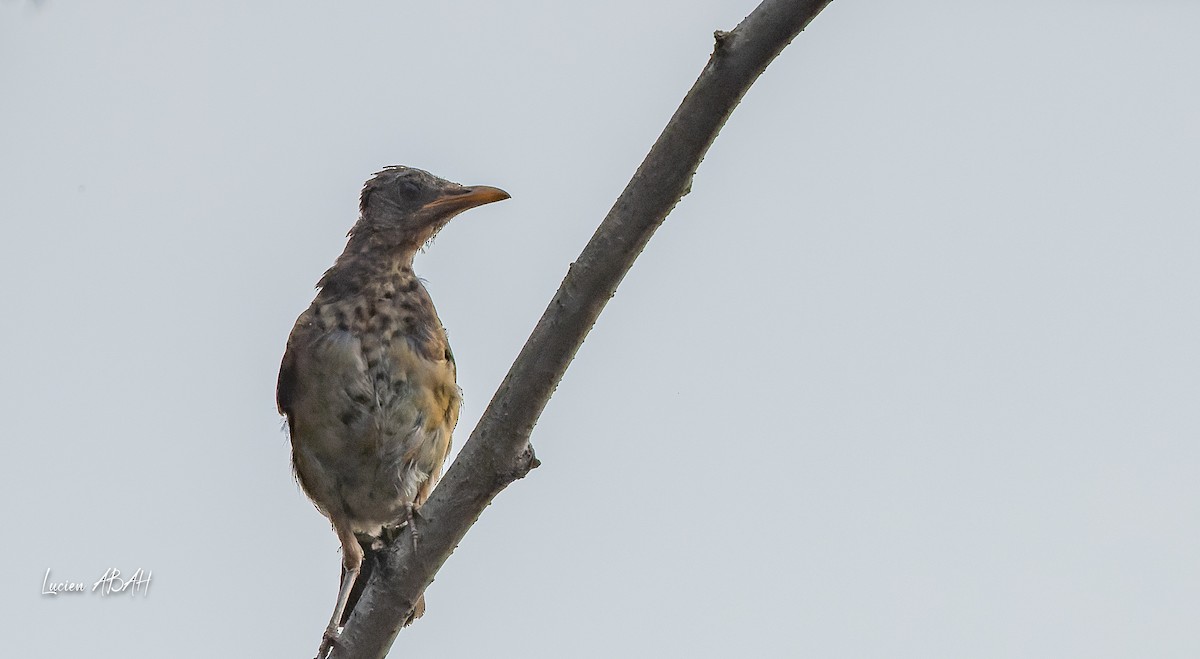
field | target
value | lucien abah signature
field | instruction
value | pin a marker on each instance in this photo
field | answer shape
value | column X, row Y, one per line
column 110, row 582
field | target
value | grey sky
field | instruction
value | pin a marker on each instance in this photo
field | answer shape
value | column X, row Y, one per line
column 913, row 371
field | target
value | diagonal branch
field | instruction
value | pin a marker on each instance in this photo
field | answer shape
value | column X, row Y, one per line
column 499, row 451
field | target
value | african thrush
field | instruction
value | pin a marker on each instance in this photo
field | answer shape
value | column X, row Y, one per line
column 368, row 380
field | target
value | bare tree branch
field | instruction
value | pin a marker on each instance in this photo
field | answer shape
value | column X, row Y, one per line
column 499, row 451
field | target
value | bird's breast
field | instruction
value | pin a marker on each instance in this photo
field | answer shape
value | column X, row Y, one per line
column 375, row 402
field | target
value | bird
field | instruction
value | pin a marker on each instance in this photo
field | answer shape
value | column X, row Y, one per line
column 368, row 383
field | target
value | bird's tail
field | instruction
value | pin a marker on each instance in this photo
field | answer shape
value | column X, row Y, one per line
column 371, row 558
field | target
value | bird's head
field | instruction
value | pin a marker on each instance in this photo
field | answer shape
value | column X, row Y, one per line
column 404, row 207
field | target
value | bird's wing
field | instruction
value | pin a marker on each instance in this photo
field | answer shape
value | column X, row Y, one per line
column 285, row 386
column 323, row 378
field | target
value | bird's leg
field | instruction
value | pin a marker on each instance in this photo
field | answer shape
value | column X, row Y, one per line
column 352, row 558
column 410, row 518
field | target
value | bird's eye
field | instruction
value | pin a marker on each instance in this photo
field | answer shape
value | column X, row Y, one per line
column 407, row 187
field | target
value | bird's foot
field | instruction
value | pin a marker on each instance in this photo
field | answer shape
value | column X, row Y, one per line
column 375, row 541
column 410, row 518
column 351, row 566
column 391, row 532
column 331, row 636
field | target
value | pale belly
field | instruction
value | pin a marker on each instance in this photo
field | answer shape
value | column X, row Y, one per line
column 370, row 435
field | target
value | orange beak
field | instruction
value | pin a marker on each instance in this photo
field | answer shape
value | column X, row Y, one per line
column 458, row 199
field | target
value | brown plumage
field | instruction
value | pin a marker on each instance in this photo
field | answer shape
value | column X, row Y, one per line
column 368, row 380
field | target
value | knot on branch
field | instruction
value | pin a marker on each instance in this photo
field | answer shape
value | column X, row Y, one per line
column 523, row 463
column 723, row 40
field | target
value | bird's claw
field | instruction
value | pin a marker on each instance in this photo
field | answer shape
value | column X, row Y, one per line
column 327, row 641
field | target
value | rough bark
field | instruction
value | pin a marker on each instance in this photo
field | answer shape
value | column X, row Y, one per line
column 498, row 451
